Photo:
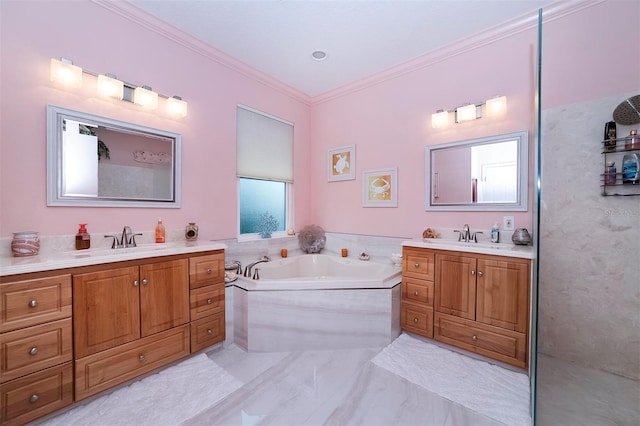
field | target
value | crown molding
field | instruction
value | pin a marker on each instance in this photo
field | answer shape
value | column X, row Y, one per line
column 142, row 18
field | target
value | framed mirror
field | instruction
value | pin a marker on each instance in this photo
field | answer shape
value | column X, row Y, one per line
column 96, row 161
column 484, row 174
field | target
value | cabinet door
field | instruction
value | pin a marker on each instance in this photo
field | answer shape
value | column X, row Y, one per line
column 455, row 292
column 106, row 309
column 503, row 294
column 164, row 296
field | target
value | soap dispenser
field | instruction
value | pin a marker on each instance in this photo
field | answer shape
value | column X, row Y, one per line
column 160, row 231
column 83, row 239
column 495, row 233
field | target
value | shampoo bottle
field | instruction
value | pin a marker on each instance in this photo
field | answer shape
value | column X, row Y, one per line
column 160, row 231
column 83, row 239
column 631, row 168
column 495, row 233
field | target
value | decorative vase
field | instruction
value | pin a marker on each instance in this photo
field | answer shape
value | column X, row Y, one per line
column 191, row 231
column 25, row 243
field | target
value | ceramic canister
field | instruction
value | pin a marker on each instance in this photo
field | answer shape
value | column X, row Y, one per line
column 25, row 243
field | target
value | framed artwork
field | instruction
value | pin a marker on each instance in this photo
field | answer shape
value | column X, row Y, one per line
column 342, row 163
column 380, row 187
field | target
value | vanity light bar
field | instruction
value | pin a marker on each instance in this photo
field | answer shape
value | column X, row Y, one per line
column 495, row 107
column 66, row 74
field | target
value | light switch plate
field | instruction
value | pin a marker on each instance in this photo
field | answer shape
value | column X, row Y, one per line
column 508, row 223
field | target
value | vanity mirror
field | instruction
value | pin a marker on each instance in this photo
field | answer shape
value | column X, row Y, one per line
column 95, row 161
column 484, row 174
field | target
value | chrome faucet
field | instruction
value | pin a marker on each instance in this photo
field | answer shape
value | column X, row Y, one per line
column 465, row 234
column 247, row 270
column 128, row 239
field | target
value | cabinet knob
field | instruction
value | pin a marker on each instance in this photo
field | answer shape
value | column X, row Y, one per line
column 415, row 320
column 480, row 273
column 415, row 293
column 209, row 270
column 33, row 303
column 209, row 331
column 141, row 357
column 33, row 351
column 135, row 283
column 34, row 398
column 209, row 301
column 144, row 282
column 473, row 272
column 474, row 337
column 417, row 265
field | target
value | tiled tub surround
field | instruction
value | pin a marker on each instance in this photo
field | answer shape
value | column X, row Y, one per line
column 355, row 306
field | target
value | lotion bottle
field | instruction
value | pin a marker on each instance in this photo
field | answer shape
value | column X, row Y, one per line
column 160, row 231
column 495, row 233
column 83, row 239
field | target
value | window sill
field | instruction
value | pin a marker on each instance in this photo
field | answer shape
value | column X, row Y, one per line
column 256, row 237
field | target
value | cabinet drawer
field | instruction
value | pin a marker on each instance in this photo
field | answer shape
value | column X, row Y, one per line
column 206, row 270
column 418, row 264
column 206, row 301
column 106, row 369
column 26, row 303
column 417, row 319
column 207, row 331
column 503, row 345
column 417, row 291
column 35, row 348
column 36, row 395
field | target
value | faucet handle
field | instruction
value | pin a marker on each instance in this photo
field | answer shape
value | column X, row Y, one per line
column 475, row 236
column 132, row 240
column 459, row 234
column 256, row 276
column 113, row 243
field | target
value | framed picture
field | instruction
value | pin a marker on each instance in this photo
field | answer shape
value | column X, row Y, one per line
column 342, row 163
column 380, row 187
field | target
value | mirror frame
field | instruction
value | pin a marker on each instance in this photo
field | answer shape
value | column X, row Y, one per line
column 523, row 172
column 55, row 117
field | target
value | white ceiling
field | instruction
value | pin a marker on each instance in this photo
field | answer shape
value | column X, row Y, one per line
column 361, row 37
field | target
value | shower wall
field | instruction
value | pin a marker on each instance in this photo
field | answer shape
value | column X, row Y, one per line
column 589, row 281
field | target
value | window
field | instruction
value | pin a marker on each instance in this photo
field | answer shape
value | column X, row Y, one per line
column 265, row 172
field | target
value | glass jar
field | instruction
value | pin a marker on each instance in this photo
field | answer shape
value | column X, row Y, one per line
column 632, row 141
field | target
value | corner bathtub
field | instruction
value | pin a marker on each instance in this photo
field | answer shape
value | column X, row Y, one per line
column 317, row 301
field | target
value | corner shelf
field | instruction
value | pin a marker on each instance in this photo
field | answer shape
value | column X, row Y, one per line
column 616, row 154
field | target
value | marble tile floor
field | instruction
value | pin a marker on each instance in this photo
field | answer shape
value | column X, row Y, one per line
column 334, row 387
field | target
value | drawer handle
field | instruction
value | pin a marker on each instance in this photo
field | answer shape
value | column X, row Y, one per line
column 144, row 281
column 209, row 301
column 415, row 320
column 415, row 293
column 33, row 303
column 34, row 398
column 417, row 265
column 135, row 283
column 33, row 351
column 473, row 272
column 209, row 331
column 474, row 337
column 480, row 273
column 209, row 270
column 141, row 357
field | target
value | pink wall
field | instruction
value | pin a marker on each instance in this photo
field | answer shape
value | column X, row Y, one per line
column 587, row 53
column 102, row 41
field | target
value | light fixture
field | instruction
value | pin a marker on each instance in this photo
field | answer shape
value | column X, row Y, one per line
column 110, row 87
column 176, row 106
column 440, row 119
column 466, row 113
column 64, row 72
column 496, row 106
column 145, row 97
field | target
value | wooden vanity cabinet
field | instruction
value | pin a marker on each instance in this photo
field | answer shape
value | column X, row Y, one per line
column 481, row 303
column 416, row 314
column 36, row 353
column 120, row 315
column 207, row 300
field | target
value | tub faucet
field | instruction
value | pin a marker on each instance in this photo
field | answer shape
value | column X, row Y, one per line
column 247, row 270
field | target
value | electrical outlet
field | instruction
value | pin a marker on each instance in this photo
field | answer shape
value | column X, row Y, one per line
column 508, row 223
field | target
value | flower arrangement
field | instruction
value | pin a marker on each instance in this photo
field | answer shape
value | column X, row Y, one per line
column 266, row 225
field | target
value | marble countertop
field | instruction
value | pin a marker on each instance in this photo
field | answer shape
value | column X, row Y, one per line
column 71, row 259
column 499, row 249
